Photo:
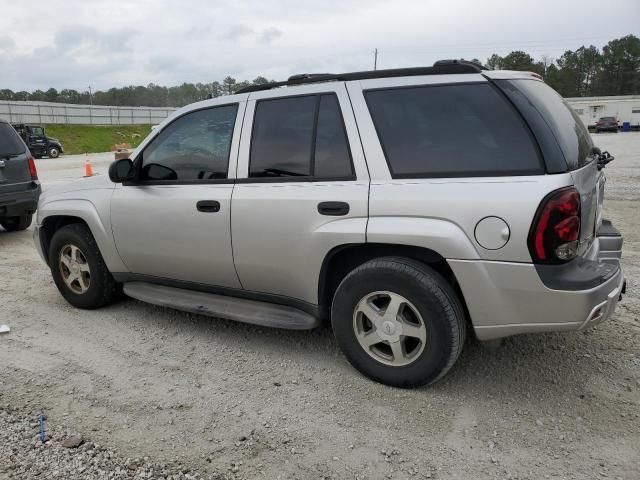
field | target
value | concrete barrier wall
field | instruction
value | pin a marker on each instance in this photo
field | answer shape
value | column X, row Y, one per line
column 47, row 112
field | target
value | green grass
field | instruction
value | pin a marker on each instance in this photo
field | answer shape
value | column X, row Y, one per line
column 96, row 138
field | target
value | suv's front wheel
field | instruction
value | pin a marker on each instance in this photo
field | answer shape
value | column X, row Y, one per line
column 78, row 268
column 398, row 322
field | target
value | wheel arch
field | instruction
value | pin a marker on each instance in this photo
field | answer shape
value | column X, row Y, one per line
column 344, row 258
column 53, row 223
column 56, row 214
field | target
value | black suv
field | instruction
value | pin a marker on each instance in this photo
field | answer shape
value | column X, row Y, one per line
column 19, row 185
column 38, row 142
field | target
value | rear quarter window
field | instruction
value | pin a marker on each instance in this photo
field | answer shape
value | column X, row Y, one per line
column 565, row 124
column 10, row 143
column 452, row 131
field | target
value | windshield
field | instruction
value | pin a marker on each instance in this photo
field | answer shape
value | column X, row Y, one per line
column 10, row 143
column 569, row 131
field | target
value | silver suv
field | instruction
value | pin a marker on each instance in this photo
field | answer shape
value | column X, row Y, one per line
column 409, row 207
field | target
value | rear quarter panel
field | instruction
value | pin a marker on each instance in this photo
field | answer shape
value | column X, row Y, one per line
column 442, row 213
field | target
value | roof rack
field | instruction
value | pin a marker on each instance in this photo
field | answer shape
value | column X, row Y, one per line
column 441, row 67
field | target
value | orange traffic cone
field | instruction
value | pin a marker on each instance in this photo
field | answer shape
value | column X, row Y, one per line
column 88, row 171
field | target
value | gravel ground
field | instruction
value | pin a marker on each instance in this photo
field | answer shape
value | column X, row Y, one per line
column 228, row 400
column 58, row 454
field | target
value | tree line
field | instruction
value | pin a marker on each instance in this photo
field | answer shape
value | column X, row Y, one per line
column 583, row 72
column 586, row 71
column 137, row 95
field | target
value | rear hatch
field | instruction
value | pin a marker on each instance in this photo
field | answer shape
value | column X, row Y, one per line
column 575, row 145
column 14, row 164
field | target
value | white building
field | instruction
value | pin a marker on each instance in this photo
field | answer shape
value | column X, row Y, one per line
column 625, row 108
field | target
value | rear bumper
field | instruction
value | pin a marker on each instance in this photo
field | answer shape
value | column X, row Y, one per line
column 506, row 299
column 610, row 240
column 20, row 203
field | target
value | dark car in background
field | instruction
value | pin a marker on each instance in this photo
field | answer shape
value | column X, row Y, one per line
column 607, row 124
column 38, row 142
column 19, row 185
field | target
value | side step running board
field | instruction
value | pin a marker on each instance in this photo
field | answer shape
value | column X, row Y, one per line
column 231, row 308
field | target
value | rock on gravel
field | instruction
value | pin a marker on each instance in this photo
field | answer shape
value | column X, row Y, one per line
column 74, row 441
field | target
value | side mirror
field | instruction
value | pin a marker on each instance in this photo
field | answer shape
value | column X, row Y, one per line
column 121, row 170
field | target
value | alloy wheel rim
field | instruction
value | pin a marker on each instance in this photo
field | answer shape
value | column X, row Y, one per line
column 75, row 269
column 389, row 328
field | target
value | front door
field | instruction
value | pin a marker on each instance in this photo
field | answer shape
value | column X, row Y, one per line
column 302, row 188
column 173, row 222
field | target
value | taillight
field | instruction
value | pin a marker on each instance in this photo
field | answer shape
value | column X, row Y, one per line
column 555, row 233
column 32, row 168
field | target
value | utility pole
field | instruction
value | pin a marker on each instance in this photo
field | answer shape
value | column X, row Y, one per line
column 375, row 59
column 90, row 96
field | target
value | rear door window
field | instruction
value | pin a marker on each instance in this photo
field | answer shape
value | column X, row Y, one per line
column 300, row 137
column 282, row 137
column 451, row 131
column 332, row 155
column 10, row 143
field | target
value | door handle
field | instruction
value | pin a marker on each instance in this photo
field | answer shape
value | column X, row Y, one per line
column 334, row 209
column 208, row 206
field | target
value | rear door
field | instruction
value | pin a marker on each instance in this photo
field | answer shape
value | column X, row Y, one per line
column 14, row 166
column 302, row 188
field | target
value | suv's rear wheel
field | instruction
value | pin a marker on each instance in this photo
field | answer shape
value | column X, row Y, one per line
column 78, row 269
column 398, row 322
column 15, row 224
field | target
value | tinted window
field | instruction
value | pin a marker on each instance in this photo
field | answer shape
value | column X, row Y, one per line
column 569, row 131
column 332, row 156
column 282, row 137
column 194, row 147
column 10, row 143
column 451, row 130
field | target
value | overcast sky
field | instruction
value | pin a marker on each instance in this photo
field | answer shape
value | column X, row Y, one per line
column 76, row 43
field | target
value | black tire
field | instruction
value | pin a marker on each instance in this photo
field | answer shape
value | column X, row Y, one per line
column 435, row 300
column 102, row 288
column 15, row 224
column 54, row 152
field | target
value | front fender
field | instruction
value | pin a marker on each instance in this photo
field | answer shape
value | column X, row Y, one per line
column 87, row 211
